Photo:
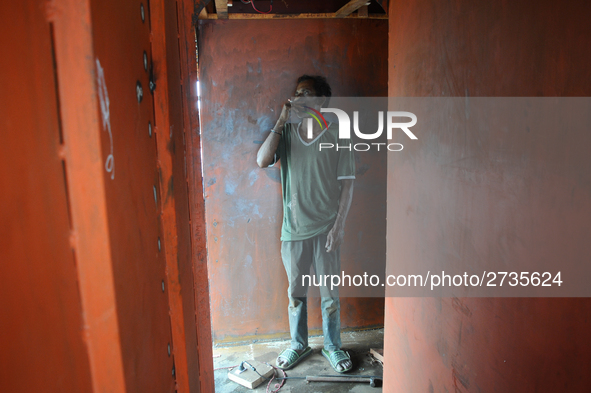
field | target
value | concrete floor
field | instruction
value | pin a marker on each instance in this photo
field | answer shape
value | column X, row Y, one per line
column 357, row 343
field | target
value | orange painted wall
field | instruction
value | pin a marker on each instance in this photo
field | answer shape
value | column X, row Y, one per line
column 99, row 288
column 135, row 193
column 247, row 70
column 490, row 48
column 40, row 310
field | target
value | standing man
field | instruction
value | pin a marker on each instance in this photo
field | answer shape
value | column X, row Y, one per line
column 317, row 189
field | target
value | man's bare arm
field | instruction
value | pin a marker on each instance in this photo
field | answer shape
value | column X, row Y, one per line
column 336, row 234
column 266, row 153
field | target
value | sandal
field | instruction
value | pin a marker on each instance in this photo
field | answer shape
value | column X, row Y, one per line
column 292, row 357
column 337, row 357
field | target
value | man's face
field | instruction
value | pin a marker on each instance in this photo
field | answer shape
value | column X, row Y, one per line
column 305, row 95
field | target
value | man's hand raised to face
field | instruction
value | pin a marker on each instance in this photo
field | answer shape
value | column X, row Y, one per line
column 284, row 116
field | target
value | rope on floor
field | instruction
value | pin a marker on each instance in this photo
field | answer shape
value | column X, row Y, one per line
column 222, row 368
column 277, row 386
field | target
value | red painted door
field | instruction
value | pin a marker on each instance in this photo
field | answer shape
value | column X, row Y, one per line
column 122, row 47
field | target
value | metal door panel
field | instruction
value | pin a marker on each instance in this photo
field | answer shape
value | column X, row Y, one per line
column 120, row 39
column 40, row 310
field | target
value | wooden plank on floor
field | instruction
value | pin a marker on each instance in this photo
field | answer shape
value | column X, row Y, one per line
column 377, row 353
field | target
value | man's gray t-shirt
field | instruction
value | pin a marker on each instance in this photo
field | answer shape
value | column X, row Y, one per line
column 310, row 180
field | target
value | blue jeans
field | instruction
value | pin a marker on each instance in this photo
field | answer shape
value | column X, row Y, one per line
column 298, row 256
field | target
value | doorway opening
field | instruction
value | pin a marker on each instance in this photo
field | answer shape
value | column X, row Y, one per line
column 245, row 73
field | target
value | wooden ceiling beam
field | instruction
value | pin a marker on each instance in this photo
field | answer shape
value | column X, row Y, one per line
column 350, row 7
column 362, row 12
column 331, row 15
column 221, row 7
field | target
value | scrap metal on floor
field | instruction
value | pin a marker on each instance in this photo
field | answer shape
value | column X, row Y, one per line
column 357, row 343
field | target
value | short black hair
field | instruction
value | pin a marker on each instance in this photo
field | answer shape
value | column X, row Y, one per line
column 321, row 86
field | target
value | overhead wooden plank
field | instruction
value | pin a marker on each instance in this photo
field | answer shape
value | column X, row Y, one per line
column 330, row 15
column 221, row 7
column 203, row 14
column 350, row 7
column 362, row 12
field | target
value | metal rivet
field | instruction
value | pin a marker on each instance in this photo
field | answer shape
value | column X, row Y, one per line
column 162, row 285
column 155, row 196
column 139, row 91
column 145, row 61
column 150, row 129
column 159, row 247
column 142, row 12
column 169, row 349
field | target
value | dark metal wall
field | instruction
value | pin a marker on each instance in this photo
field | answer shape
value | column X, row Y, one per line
column 247, row 70
column 484, row 48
